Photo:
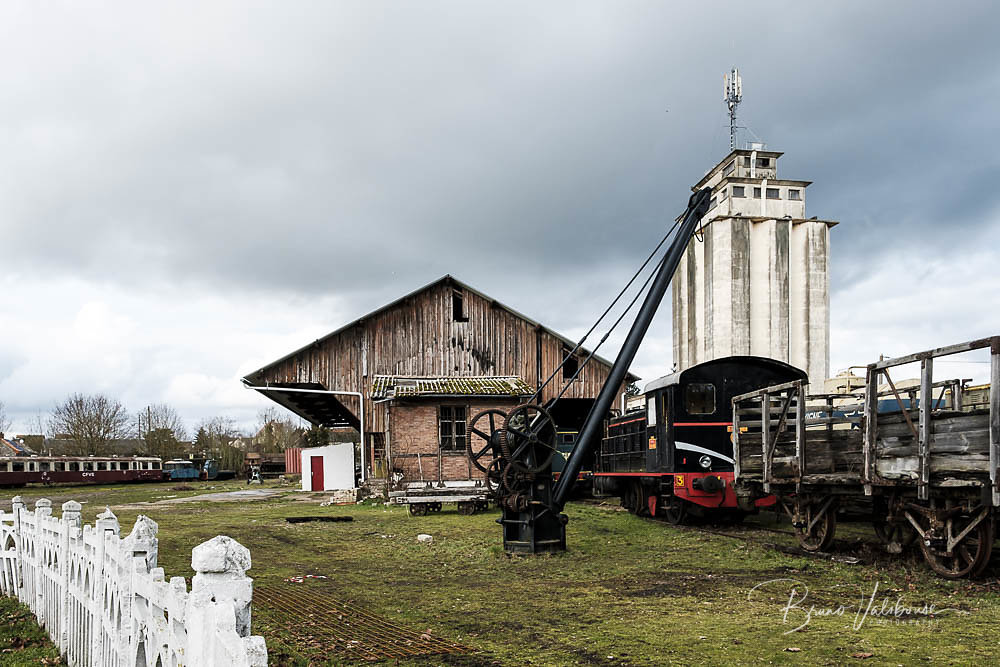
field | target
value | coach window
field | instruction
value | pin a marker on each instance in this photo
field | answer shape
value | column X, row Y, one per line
column 59, row 466
column 156, row 465
column 88, row 466
column 43, row 466
column 699, row 399
column 18, row 467
column 31, row 467
column 74, row 466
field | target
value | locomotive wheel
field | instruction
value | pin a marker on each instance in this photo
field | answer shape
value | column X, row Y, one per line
column 674, row 511
column 418, row 509
column 640, row 506
column 484, row 425
column 528, row 438
column 819, row 523
column 969, row 557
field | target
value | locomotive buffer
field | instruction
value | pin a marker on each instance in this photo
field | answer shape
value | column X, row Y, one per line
column 515, row 449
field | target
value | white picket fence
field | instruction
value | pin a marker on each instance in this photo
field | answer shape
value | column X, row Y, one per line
column 104, row 602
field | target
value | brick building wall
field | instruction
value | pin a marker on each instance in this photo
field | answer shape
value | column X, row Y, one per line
column 414, row 438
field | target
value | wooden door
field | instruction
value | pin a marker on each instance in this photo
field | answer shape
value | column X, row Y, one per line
column 316, row 466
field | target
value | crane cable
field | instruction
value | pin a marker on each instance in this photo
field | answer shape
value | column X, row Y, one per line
column 538, row 393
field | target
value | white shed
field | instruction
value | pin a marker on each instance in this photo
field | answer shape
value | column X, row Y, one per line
column 328, row 468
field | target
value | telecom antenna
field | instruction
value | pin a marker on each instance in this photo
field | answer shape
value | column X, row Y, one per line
column 732, row 96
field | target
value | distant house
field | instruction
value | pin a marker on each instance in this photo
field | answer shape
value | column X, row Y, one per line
column 14, row 447
column 444, row 330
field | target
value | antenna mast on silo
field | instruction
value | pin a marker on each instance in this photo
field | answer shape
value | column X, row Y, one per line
column 732, row 95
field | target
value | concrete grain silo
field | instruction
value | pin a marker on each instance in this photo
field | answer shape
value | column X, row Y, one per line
column 755, row 279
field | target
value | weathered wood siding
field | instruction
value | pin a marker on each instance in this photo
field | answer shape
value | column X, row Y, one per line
column 419, row 337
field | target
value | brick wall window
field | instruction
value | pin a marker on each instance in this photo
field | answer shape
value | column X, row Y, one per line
column 451, row 427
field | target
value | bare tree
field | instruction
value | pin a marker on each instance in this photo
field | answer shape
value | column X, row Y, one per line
column 161, row 416
column 4, row 419
column 215, row 437
column 161, row 430
column 276, row 432
column 91, row 423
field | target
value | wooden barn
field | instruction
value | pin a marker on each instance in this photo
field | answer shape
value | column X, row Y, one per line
column 386, row 369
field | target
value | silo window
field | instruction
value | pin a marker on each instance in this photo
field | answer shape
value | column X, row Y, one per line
column 793, row 195
column 763, row 162
column 773, row 193
column 756, row 193
column 739, row 191
column 699, row 398
column 458, row 307
column 729, row 168
column 571, row 365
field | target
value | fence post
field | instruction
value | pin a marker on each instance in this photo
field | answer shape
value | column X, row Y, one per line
column 71, row 522
column 138, row 553
column 18, row 504
column 219, row 607
column 43, row 510
column 106, row 523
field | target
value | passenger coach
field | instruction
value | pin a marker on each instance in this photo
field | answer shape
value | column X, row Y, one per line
column 675, row 458
column 21, row 470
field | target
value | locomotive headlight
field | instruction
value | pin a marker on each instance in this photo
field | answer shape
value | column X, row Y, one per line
column 705, row 461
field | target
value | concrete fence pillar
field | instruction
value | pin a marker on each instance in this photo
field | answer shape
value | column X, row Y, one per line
column 219, row 606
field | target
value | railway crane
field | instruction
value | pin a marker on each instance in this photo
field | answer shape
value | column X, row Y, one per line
column 515, row 450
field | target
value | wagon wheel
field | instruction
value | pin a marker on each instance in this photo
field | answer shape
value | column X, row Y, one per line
column 674, row 511
column 467, row 508
column 484, row 425
column 969, row 557
column 528, row 438
column 418, row 509
column 897, row 534
column 817, row 523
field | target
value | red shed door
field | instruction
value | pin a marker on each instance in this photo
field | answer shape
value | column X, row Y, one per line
column 316, row 464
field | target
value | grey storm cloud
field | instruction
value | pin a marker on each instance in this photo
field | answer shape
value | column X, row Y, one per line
column 357, row 150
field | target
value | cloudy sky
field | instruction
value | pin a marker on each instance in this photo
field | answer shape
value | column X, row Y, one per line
column 191, row 190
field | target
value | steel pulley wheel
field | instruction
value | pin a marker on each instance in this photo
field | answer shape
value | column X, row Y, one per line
column 494, row 477
column 528, row 439
column 485, row 426
column 969, row 557
column 515, row 479
column 818, row 523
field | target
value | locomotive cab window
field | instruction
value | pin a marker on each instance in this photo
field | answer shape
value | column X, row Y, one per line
column 699, row 398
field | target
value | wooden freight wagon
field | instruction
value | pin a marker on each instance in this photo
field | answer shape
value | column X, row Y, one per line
column 925, row 460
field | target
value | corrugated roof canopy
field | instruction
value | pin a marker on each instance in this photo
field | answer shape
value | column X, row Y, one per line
column 395, row 386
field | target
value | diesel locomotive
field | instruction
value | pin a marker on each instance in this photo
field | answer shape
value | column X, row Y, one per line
column 675, row 457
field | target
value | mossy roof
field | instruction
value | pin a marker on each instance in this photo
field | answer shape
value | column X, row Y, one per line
column 396, row 386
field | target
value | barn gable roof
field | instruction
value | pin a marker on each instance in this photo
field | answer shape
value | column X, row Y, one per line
column 447, row 279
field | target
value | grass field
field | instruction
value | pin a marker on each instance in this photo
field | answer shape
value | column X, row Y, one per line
column 628, row 591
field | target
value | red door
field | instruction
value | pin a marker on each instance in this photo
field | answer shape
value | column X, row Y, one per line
column 316, row 464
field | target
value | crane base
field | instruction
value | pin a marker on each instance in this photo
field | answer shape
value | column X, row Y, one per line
column 533, row 531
